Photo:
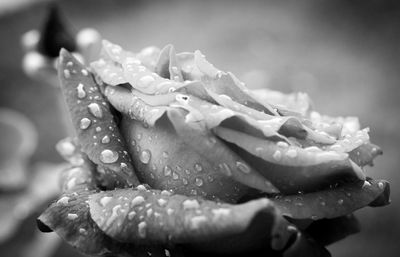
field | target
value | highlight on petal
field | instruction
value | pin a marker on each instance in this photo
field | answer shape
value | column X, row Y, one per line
column 94, row 124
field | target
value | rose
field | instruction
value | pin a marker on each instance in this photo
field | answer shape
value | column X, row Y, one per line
column 227, row 170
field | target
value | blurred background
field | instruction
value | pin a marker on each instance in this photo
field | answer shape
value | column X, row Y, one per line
column 344, row 54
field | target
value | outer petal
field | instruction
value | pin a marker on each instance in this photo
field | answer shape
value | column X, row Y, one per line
column 334, row 202
column 153, row 217
column 95, row 127
column 292, row 169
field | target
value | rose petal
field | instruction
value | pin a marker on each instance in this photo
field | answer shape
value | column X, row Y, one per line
column 328, row 231
column 94, row 124
column 152, row 217
column 333, row 202
column 165, row 161
column 212, row 148
column 365, row 154
column 291, row 168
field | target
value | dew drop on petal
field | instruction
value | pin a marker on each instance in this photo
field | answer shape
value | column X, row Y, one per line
column 292, row 153
column 72, row 216
column 277, row 155
column 145, row 81
column 165, row 154
column 190, row 204
column 242, row 167
column 81, row 91
column 95, row 110
column 167, row 171
column 131, row 215
column 108, row 156
column 84, row 123
column 142, row 229
column 282, row 144
column 67, row 74
column 185, row 181
column 133, row 142
column 199, row 182
column 259, row 150
column 175, row 176
column 137, row 200
column 162, row 202
column 145, row 156
column 381, row 185
column 198, row 167
column 225, row 169
column 105, row 200
column 105, row 139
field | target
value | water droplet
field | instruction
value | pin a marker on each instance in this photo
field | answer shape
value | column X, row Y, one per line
column 314, row 217
column 282, row 144
column 72, row 216
column 165, row 154
column 198, row 182
column 63, row 200
column 259, row 150
column 131, row 215
column 67, row 74
column 340, row 201
column 108, row 156
column 85, row 123
column 167, row 171
column 381, row 185
column 323, row 203
column 292, row 153
column 139, row 136
column 187, row 171
column 142, row 229
column 95, row 110
column 145, row 156
column 105, row 140
column 225, row 169
column 146, row 81
column 198, row 167
column 185, row 181
column 277, row 155
column 190, row 204
column 175, row 176
column 138, row 200
column 243, row 167
column 133, row 142
column 210, row 178
column 105, row 200
column 153, row 167
column 98, row 129
column 81, row 91
column 162, row 202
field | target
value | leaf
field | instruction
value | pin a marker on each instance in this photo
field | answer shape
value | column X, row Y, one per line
column 94, row 124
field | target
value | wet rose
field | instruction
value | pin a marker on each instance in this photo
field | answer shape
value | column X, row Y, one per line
column 174, row 156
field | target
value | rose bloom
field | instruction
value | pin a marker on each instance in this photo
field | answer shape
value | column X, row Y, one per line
column 174, row 157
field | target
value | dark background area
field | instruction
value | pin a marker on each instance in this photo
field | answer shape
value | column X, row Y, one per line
column 345, row 54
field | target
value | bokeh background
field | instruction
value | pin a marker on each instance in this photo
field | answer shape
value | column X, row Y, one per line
column 345, row 54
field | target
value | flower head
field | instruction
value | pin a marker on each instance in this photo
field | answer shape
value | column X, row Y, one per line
column 173, row 153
